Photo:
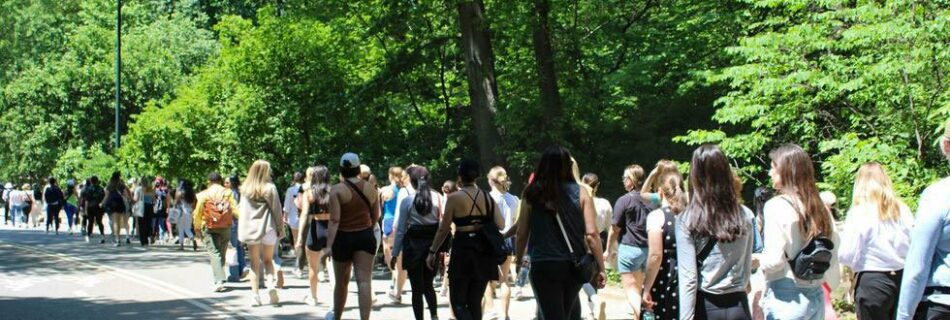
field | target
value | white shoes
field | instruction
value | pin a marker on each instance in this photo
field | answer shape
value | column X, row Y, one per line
column 255, row 301
column 272, row 291
column 330, row 316
column 310, row 301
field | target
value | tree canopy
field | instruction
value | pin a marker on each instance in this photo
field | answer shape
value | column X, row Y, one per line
column 214, row 85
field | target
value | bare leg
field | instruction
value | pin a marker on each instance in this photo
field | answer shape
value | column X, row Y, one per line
column 633, row 287
column 341, row 272
column 505, row 290
column 116, row 219
column 313, row 265
column 363, row 263
column 270, row 277
column 254, row 255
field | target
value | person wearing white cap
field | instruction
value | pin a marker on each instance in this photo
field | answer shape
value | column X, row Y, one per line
column 354, row 210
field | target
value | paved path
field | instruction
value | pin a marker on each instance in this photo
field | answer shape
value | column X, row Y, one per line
column 45, row 276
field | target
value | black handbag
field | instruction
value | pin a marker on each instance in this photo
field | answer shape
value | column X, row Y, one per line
column 498, row 248
column 583, row 262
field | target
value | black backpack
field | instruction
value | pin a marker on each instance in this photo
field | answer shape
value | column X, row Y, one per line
column 813, row 259
column 159, row 205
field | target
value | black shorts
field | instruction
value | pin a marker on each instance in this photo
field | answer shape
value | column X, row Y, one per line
column 348, row 243
column 317, row 235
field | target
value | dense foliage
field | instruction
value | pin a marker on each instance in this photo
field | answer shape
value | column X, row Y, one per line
column 214, row 85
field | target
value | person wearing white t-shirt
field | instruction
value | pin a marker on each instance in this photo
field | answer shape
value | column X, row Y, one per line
column 292, row 218
column 508, row 203
column 605, row 214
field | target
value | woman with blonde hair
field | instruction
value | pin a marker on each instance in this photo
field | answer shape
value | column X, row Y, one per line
column 875, row 241
column 508, row 203
column 260, row 227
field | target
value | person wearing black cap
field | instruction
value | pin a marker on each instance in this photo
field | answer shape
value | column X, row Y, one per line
column 354, row 210
column 472, row 264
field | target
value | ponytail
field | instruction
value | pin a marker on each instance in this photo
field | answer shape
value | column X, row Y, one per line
column 423, row 199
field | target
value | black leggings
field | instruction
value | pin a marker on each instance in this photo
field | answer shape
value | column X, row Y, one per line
column 420, row 278
column 52, row 216
column 730, row 306
column 557, row 297
column 145, row 230
column 875, row 295
column 465, row 296
column 93, row 218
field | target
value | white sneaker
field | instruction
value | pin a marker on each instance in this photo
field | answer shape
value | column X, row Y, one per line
column 272, row 293
column 492, row 315
column 329, row 316
column 255, row 301
column 310, row 301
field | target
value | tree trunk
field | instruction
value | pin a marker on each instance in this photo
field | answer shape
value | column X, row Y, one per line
column 482, row 89
column 547, row 76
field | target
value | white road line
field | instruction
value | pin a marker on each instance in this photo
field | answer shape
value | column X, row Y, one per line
column 170, row 289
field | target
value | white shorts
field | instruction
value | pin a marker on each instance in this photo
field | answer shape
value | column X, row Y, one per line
column 270, row 238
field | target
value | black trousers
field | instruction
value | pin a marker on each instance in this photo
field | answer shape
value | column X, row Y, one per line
column 932, row 311
column 730, row 306
column 6, row 213
column 421, row 279
column 465, row 297
column 555, row 292
column 875, row 295
column 94, row 218
column 52, row 216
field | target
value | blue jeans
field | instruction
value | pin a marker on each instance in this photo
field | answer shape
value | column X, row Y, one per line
column 17, row 214
column 785, row 300
column 234, row 272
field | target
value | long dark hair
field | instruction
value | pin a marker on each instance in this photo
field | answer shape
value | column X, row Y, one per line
column 419, row 178
column 553, row 171
column 115, row 182
column 320, row 186
column 714, row 209
column 797, row 176
column 186, row 191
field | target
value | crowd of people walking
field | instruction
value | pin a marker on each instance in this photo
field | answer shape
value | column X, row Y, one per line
column 685, row 246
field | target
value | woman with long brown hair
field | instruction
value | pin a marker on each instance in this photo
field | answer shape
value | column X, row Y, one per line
column 715, row 239
column 793, row 219
column 314, row 223
column 260, row 227
column 557, row 226
column 875, row 241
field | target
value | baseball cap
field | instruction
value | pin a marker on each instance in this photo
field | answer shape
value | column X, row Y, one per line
column 8, row 186
column 350, row 160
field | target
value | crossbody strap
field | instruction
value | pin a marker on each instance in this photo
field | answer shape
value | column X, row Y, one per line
column 557, row 216
column 360, row 193
column 704, row 253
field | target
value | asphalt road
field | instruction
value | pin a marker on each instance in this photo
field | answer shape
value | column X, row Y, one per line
column 46, row 276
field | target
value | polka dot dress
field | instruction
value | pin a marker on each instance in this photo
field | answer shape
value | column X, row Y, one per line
column 665, row 288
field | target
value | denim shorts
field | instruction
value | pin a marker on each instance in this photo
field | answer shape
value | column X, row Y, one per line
column 784, row 299
column 631, row 259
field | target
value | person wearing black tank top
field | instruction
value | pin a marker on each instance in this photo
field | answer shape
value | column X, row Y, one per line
column 471, row 266
column 558, row 219
column 313, row 224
